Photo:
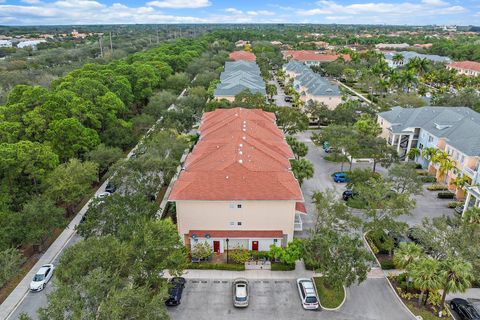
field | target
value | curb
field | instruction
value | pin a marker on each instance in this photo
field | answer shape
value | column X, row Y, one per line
column 388, row 280
column 331, row 309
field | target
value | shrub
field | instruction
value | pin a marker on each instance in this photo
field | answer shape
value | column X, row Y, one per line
column 418, row 166
column 428, row 179
column 239, row 255
column 454, row 204
column 387, row 264
column 282, row 267
column 202, row 250
column 10, row 261
column 259, row 254
column 422, row 172
column 217, row 266
column 437, row 187
column 445, row 195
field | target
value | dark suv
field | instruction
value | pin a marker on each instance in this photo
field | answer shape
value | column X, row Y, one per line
column 175, row 291
column 464, row 309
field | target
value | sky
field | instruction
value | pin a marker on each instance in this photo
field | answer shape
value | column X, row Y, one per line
column 399, row 12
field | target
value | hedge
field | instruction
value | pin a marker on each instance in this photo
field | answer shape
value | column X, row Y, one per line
column 445, row 195
column 437, row 187
column 217, row 266
column 428, row 179
column 454, row 204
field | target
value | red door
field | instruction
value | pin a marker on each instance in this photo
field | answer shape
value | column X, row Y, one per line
column 216, row 246
column 254, row 245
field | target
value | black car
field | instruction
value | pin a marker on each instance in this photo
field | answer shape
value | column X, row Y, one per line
column 110, row 188
column 348, row 194
column 288, row 99
column 175, row 292
column 464, row 309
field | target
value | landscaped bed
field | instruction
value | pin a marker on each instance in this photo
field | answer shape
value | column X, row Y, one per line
column 276, row 266
column 217, row 266
column 329, row 297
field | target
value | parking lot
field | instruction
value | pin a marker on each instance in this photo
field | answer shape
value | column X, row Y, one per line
column 279, row 299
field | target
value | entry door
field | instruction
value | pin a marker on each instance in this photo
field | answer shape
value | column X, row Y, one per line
column 216, row 246
column 254, row 245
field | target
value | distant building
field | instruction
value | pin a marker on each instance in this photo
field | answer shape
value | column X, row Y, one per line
column 468, row 68
column 312, row 86
column 239, row 76
column 29, row 43
column 276, row 43
column 423, row 45
column 242, row 55
column 408, row 55
column 312, row 57
column 392, row 46
column 241, row 43
column 6, row 44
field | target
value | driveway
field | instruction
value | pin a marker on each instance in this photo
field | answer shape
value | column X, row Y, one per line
column 278, row 300
column 280, row 96
column 427, row 204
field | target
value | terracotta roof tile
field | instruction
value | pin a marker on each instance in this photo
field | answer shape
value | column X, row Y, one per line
column 237, row 233
column 469, row 65
column 242, row 55
column 300, row 207
column 241, row 155
column 310, row 55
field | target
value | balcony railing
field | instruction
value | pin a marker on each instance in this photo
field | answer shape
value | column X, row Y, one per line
column 470, row 172
column 298, row 225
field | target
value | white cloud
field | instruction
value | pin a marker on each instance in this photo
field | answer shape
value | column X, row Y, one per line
column 313, row 12
column 435, row 2
column 31, row 1
column 178, row 4
column 233, row 11
column 338, row 18
column 261, row 13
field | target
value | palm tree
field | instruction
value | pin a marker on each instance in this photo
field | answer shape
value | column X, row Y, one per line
column 456, row 275
column 302, row 169
column 413, row 153
column 445, row 164
column 398, row 57
column 406, row 254
column 429, row 154
column 472, row 216
column 425, row 275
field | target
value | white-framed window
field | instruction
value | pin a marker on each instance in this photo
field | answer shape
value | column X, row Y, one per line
column 235, row 206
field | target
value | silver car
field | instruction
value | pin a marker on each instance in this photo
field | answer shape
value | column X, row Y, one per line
column 307, row 294
column 240, row 293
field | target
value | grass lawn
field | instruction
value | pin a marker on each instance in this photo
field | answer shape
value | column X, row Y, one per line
column 329, row 297
column 335, row 158
column 217, row 266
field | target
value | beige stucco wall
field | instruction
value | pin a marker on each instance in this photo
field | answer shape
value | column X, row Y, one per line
column 254, row 215
column 231, row 99
column 384, row 124
column 330, row 102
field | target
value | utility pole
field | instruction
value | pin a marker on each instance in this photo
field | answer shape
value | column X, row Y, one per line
column 101, row 45
column 111, row 44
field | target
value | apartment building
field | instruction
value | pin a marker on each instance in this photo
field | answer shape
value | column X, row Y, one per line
column 454, row 130
column 312, row 57
column 409, row 55
column 312, row 86
column 468, row 68
column 239, row 76
column 236, row 188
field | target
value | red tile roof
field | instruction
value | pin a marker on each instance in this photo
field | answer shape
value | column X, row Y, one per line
column 237, row 233
column 310, row 55
column 242, row 55
column 241, row 155
column 468, row 65
column 300, row 207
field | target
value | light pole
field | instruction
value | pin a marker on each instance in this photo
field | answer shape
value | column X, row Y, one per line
column 227, row 248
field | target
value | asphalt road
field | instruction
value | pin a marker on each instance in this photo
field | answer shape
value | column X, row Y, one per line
column 279, row 300
column 33, row 301
column 280, row 96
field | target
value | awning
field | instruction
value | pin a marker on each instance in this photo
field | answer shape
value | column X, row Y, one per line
column 274, row 234
column 300, row 208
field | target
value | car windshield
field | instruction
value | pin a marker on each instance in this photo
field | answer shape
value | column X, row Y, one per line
column 38, row 277
column 311, row 300
column 241, row 293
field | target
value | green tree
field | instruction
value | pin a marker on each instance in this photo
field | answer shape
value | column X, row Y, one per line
column 104, row 156
column 456, row 275
column 271, row 90
column 425, row 275
column 10, row 261
column 290, row 120
column 367, row 126
column 302, row 169
column 413, row 153
column 71, row 181
column 177, row 82
column 404, row 178
column 299, row 149
column 202, row 250
column 406, row 255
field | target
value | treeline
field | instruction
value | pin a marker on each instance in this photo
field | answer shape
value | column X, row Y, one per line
column 55, row 142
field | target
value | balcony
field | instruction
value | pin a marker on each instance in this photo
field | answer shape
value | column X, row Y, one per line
column 469, row 172
column 298, row 225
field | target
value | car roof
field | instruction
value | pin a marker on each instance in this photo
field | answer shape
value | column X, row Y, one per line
column 241, row 291
column 43, row 269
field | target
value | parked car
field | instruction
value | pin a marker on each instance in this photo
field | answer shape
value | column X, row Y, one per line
column 325, row 145
column 271, row 100
column 175, row 291
column 40, row 279
column 110, row 188
column 340, row 177
column 330, row 149
column 240, row 293
column 288, row 99
column 464, row 309
column 348, row 194
column 459, row 209
column 103, row 195
column 307, row 294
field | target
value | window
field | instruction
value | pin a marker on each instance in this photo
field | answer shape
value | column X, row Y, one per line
column 232, row 223
column 239, row 206
column 430, row 138
column 239, row 223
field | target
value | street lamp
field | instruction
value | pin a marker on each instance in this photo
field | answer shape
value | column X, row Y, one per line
column 227, row 248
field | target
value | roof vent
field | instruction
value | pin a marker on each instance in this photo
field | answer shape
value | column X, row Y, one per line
column 226, row 177
column 240, row 145
column 240, row 161
column 244, row 129
column 240, row 152
column 244, row 138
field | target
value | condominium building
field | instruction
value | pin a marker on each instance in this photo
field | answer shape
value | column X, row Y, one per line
column 236, row 188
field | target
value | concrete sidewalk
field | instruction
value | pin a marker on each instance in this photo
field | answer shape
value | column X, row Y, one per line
column 19, row 293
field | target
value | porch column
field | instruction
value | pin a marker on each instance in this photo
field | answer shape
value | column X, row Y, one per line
column 409, row 145
column 393, row 139
column 467, row 201
column 398, row 144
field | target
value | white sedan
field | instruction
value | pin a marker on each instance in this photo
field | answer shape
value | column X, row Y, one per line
column 41, row 278
column 307, row 293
